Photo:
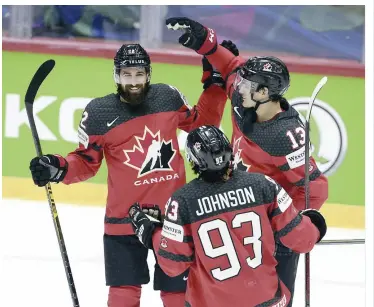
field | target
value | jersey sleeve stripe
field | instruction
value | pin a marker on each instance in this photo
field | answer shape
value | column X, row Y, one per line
column 187, row 239
column 116, row 220
column 175, row 257
column 96, row 147
column 284, row 168
column 313, row 176
column 88, row 158
column 288, row 228
column 274, row 300
column 274, row 213
column 196, row 114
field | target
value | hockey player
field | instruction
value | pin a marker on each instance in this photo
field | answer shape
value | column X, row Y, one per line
column 136, row 130
column 267, row 133
column 223, row 227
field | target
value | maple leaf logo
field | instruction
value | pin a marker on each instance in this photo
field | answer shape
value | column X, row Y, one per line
column 150, row 154
column 238, row 162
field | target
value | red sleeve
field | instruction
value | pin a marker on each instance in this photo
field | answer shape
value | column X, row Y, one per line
column 173, row 245
column 85, row 161
column 208, row 111
column 226, row 63
column 318, row 194
column 294, row 230
column 293, row 168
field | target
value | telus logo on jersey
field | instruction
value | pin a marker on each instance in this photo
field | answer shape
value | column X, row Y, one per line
column 238, row 161
column 125, row 62
column 328, row 134
column 150, row 154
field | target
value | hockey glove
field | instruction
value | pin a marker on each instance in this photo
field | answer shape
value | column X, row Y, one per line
column 153, row 211
column 318, row 220
column 211, row 76
column 196, row 37
column 143, row 225
column 229, row 45
column 48, row 168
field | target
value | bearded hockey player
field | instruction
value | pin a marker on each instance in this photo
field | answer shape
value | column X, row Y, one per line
column 268, row 135
column 223, row 226
column 136, row 130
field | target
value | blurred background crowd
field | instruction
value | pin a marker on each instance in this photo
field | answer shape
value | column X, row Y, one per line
column 328, row 31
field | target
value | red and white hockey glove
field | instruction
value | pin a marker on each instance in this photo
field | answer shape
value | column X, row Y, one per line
column 196, row 36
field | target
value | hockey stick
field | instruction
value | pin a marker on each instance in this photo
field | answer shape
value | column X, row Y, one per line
column 341, row 242
column 37, row 80
column 319, row 86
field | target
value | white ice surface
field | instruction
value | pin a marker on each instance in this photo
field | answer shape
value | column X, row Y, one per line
column 32, row 272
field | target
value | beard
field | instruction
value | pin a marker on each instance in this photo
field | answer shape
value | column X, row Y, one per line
column 133, row 98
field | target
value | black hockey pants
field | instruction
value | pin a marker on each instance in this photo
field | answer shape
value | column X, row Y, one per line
column 287, row 267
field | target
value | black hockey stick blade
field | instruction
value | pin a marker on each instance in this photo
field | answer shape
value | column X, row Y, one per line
column 36, row 81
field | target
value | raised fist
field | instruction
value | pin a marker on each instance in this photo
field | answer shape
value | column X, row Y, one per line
column 196, row 37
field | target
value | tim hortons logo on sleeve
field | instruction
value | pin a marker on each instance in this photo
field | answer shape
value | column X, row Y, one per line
column 238, row 161
column 151, row 154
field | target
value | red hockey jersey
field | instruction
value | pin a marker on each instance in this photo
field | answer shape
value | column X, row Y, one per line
column 140, row 146
column 275, row 148
column 225, row 233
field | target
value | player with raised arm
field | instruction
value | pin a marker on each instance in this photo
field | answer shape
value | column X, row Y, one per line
column 268, row 135
column 136, row 130
column 223, row 226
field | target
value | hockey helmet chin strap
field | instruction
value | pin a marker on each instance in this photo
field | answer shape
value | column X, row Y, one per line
column 258, row 103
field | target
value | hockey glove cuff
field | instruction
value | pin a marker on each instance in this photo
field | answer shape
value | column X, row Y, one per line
column 196, row 37
column 48, row 168
column 142, row 225
column 318, row 220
